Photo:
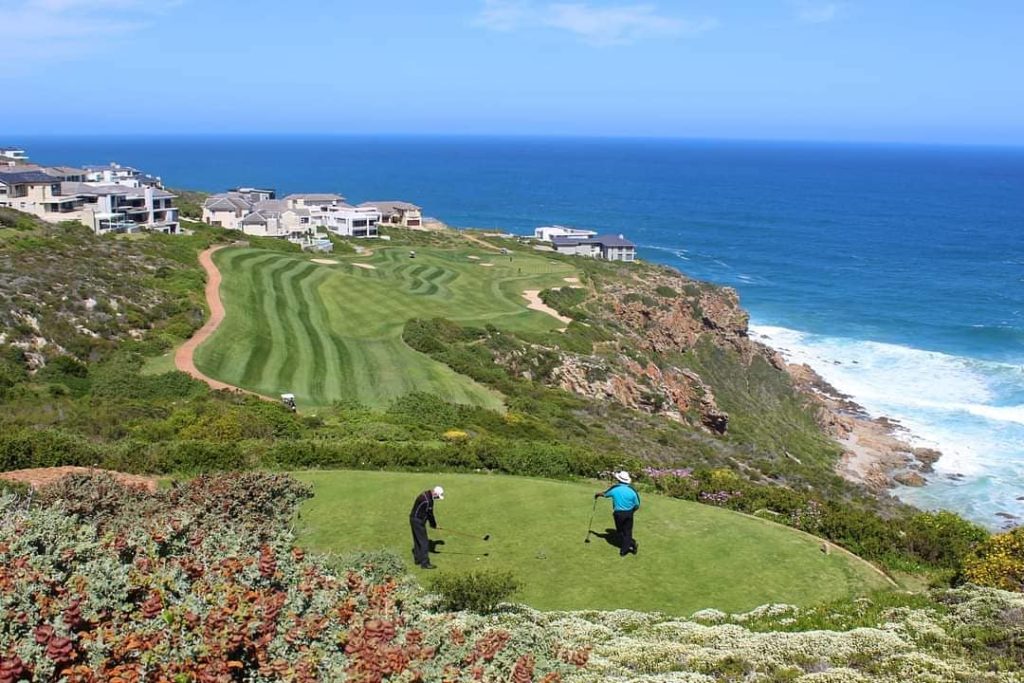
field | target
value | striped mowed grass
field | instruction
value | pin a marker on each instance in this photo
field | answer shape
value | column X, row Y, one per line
column 328, row 332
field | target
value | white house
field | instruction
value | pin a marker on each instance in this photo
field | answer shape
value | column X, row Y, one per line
column 119, row 208
column 548, row 232
column 9, row 156
column 607, row 247
column 116, row 174
column 255, row 194
column 103, row 208
column 332, row 212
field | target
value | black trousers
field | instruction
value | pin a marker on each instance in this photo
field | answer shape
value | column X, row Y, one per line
column 420, row 541
column 624, row 528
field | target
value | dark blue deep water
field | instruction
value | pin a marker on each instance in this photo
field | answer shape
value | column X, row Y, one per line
column 897, row 272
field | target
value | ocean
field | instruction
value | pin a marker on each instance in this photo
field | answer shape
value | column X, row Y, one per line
column 897, row 272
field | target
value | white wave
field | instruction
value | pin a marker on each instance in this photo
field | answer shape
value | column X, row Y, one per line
column 947, row 402
column 998, row 413
column 675, row 251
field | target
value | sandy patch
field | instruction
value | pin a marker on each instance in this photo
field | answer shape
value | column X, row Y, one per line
column 367, row 266
column 572, row 280
column 486, row 265
column 475, row 258
column 43, row 476
column 324, row 261
column 533, row 302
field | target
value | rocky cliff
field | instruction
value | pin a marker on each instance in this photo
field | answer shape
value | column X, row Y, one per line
column 655, row 316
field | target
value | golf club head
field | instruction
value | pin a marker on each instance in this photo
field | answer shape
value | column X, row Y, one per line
column 487, row 537
column 587, row 539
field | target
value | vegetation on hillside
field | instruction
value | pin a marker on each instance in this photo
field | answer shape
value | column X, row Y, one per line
column 702, row 416
column 99, row 405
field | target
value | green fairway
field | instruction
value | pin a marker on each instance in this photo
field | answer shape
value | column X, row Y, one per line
column 327, row 332
column 691, row 556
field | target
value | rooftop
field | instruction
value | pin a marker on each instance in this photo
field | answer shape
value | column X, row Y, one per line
column 603, row 240
column 111, row 167
column 94, row 189
column 391, row 205
column 25, row 177
column 611, row 241
column 316, row 197
column 227, row 201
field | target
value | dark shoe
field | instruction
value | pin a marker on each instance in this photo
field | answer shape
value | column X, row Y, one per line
column 428, row 566
column 636, row 548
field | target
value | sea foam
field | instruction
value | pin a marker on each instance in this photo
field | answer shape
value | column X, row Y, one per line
column 962, row 406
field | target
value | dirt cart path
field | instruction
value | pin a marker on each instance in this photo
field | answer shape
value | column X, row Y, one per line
column 183, row 357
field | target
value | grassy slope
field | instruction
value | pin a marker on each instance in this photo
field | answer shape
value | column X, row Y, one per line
column 691, row 556
column 330, row 332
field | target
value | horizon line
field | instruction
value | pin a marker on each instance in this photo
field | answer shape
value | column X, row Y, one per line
column 11, row 139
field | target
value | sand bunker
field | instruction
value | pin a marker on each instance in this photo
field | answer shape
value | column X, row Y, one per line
column 572, row 280
column 533, row 302
column 475, row 258
column 325, row 261
column 367, row 266
column 487, row 265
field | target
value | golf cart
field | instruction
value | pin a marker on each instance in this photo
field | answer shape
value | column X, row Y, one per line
column 288, row 401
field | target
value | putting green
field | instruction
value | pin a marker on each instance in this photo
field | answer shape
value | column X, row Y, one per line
column 691, row 556
column 327, row 332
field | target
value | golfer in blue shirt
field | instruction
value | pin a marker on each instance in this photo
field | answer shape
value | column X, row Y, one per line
column 625, row 501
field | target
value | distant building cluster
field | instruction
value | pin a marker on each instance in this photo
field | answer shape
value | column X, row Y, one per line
column 299, row 217
column 580, row 242
column 114, row 198
column 109, row 198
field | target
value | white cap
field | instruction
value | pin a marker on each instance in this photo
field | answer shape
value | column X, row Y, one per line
column 438, row 493
column 623, row 477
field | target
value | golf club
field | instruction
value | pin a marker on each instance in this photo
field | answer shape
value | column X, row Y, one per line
column 486, row 537
column 590, row 525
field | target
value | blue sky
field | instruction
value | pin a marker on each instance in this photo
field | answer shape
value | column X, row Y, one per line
column 938, row 71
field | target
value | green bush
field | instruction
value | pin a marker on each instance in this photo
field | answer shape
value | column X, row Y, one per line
column 565, row 300
column 14, row 487
column 477, row 591
column 943, row 538
column 30, row 448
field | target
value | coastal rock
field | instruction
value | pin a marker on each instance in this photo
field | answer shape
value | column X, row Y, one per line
column 874, row 454
column 910, row 479
column 927, row 457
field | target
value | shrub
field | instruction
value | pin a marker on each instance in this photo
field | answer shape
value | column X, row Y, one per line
column 565, row 300
column 30, row 448
column 97, row 496
column 379, row 565
column 477, row 591
column 17, row 488
column 943, row 538
column 999, row 562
